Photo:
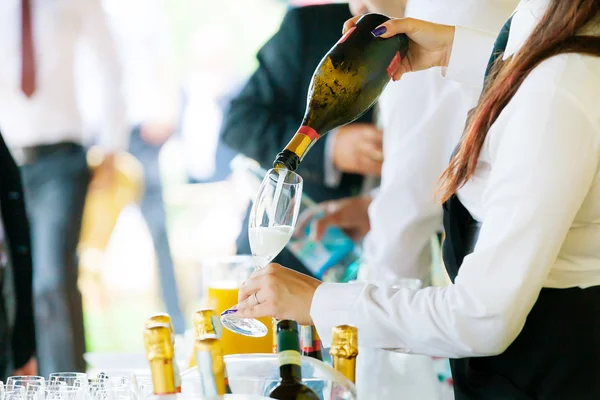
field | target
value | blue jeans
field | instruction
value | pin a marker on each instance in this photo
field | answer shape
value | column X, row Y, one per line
column 153, row 210
column 55, row 188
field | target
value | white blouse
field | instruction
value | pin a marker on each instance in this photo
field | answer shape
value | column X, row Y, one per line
column 536, row 191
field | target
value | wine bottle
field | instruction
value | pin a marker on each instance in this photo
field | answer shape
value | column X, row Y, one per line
column 310, row 342
column 166, row 319
column 290, row 386
column 346, row 83
column 344, row 350
column 205, row 321
column 310, row 345
column 159, row 352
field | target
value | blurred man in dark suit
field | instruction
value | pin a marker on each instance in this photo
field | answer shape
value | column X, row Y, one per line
column 263, row 117
column 17, row 333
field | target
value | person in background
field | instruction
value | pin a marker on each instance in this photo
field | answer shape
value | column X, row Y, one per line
column 212, row 77
column 152, row 102
column 421, row 129
column 43, row 128
column 263, row 117
column 17, row 327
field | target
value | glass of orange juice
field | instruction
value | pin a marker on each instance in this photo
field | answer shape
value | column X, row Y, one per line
column 221, row 280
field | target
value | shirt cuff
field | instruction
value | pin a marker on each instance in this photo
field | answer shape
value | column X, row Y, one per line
column 333, row 176
column 331, row 306
column 471, row 52
column 374, row 192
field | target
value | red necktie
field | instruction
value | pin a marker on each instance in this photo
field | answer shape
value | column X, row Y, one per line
column 27, row 57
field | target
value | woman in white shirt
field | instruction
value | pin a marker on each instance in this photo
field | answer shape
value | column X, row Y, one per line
column 521, row 214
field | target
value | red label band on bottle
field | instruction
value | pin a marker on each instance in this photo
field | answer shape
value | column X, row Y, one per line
column 308, row 131
column 317, row 345
column 346, row 35
column 306, row 339
column 307, row 349
column 394, row 65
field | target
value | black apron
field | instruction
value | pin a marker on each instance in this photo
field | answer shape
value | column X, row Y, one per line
column 557, row 354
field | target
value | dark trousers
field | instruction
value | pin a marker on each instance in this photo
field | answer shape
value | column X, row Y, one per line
column 153, row 210
column 6, row 325
column 55, row 189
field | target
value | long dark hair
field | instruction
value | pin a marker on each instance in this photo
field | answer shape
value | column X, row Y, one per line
column 555, row 34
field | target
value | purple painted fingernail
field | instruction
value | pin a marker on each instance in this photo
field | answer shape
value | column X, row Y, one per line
column 379, row 31
column 230, row 311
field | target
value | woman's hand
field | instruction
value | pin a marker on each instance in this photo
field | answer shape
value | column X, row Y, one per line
column 429, row 44
column 277, row 292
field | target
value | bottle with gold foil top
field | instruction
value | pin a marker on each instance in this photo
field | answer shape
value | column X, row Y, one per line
column 166, row 319
column 205, row 321
column 344, row 350
column 211, row 366
column 310, row 342
column 208, row 352
column 159, row 352
column 345, row 84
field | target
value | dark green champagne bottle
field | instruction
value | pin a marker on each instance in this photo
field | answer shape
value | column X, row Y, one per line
column 290, row 386
column 346, row 83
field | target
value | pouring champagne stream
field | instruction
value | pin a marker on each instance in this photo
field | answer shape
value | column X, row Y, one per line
column 272, row 221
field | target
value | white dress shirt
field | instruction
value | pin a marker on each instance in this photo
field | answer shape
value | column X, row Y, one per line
column 145, row 52
column 52, row 115
column 536, row 191
column 421, row 129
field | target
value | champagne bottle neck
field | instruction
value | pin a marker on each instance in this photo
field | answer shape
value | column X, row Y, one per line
column 297, row 148
column 290, row 372
column 346, row 366
column 288, row 353
column 211, row 365
column 162, row 376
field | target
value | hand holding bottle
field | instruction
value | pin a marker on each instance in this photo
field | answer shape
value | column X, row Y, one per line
column 358, row 149
column 430, row 44
column 349, row 214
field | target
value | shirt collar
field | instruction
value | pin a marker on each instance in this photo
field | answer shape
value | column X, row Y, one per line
column 525, row 19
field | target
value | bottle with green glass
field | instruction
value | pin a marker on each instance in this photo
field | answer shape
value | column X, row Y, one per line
column 346, row 83
column 290, row 386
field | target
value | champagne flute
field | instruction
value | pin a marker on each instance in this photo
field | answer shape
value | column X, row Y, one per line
column 272, row 222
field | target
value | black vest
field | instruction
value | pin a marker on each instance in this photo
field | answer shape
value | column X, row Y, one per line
column 557, row 354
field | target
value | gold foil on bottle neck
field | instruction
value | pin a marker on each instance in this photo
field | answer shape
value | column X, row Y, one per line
column 206, row 324
column 344, row 342
column 158, row 343
column 162, row 318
